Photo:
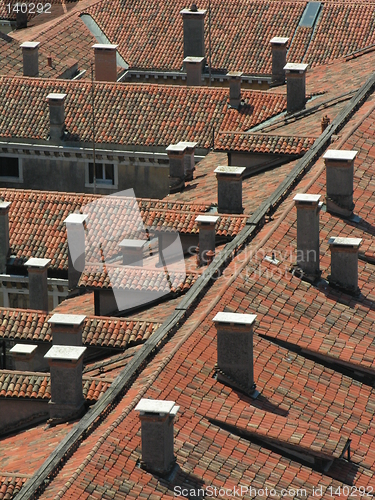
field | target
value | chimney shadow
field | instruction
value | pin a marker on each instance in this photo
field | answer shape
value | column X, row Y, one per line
column 345, row 298
column 262, row 403
column 190, row 187
column 345, row 471
column 179, row 480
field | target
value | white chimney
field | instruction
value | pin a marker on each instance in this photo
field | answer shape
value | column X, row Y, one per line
column 4, row 234
column 157, row 434
column 67, row 329
column 56, row 115
column 344, row 262
column 295, row 86
column 278, row 47
column 235, row 88
column 339, row 176
column 38, row 287
column 235, row 360
column 194, row 69
column 23, row 356
column 30, row 58
column 66, row 381
column 193, row 21
column 105, row 62
column 308, row 208
column 207, row 233
column 76, row 247
column 229, row 189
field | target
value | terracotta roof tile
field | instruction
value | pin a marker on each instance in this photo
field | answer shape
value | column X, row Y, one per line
column 270, row 144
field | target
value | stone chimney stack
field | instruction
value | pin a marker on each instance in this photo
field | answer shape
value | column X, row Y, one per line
column 339, row 174
column 229, row 189
column 235, row 88
column 308, row 208
column 4, row 234
column 38, row 287
column 30, row 58
column 189, row 159
column 235, row 359
column 67, row 329
column 23, row 356
column 157, row 434
column 105, row 62
column 344, row 262
column 194, row 69
column 65, row 364
column 56, row 115
column 76, row 247
column 295, row 86
column 176, row 155
column 193, row 20
column 278, row 47
column 206, row 226
column 132, row 252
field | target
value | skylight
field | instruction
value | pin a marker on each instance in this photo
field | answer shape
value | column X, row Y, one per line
column 310, row 15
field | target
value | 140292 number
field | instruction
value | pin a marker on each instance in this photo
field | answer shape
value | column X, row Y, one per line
column 29, row 8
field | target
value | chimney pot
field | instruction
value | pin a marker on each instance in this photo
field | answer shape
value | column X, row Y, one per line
column 235, row 350
column 4, row 234
column 176, row 154
column 339, row 173
column 278, row 47
column 295, row 86
column 206, row 226
column 189, row 159
column 344, row 262
column 30, row 58
column 66, row 381
column 194, row 68
column 67, row 329
column 23, row 356
column 105, row 62
column 56, row 115
column 193, row 21
column 49, row 61
column 235, row 88
column 229, row 189
column 38, row 287
column 308, row 208
column 76, row 247
column 157, row 434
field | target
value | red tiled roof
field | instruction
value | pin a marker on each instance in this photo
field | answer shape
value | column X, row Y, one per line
column 10, row 486
column 136, row 279
column 142, row 115
column 37, row 226
column 32, row 326
column 38, row 386
column 271, row 144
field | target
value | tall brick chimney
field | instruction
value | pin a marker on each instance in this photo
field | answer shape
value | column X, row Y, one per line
column 105, row 62
column 65, row 364
column 4, row 234
column 56, row 115
column 206, row 226
column 76, row 240
column 229, row 189
column 308, row 208
column 278, row 47
column 193, row 20
column 176, row 154
column 235, row 88
column 132, row 252
column 23, row 356
column 295, row 86
column 344, row 262
column 189, row 159
column 157, row 434
column 339, row 175
column 235, row 359
column 38, row 287
column 30, row 58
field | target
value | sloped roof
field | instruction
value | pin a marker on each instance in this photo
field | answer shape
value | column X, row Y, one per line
column 270, row 144
column 139, row 114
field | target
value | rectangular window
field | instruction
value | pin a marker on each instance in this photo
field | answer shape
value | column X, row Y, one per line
column 9, row 167
column 105, row 173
